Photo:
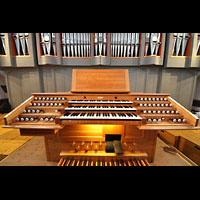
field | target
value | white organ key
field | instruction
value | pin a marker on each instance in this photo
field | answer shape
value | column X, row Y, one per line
column 101, row 108
column 103, row 116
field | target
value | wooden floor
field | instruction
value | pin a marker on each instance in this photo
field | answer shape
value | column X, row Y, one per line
column 10, row 139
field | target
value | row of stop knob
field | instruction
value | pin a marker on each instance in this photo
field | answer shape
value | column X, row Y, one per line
column 35, row 118
column 155, row 104
column 151, row 99
column 46, row 104
column 50, row 98
column 160, row 111
column 163, row 118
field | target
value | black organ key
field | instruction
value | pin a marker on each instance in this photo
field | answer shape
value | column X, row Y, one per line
column 67, row 114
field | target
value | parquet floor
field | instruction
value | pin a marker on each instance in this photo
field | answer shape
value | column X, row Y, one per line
column 10, row 139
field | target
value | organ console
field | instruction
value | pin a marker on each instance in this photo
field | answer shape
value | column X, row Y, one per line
column 100, row 122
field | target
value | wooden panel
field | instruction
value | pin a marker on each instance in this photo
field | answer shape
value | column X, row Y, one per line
column 96, row 80
column 190, row 149
column 113, row 129
column 167, row 127
column 81, row 130
column 39, row 132
column 169, row 138
column 14, row 113
column 191, row 119
column 131, row 133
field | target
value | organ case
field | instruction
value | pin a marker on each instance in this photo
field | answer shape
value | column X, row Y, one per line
column 83, row 125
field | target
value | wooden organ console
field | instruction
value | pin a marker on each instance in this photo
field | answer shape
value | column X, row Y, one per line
column 100, row 122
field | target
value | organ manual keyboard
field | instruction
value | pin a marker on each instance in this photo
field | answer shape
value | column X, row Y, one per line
column 100, row 122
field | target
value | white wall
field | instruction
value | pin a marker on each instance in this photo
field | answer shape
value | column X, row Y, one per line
column 3, row 95
column 197, row 90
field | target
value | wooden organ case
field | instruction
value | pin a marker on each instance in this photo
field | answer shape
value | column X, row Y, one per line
column 100, row 122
